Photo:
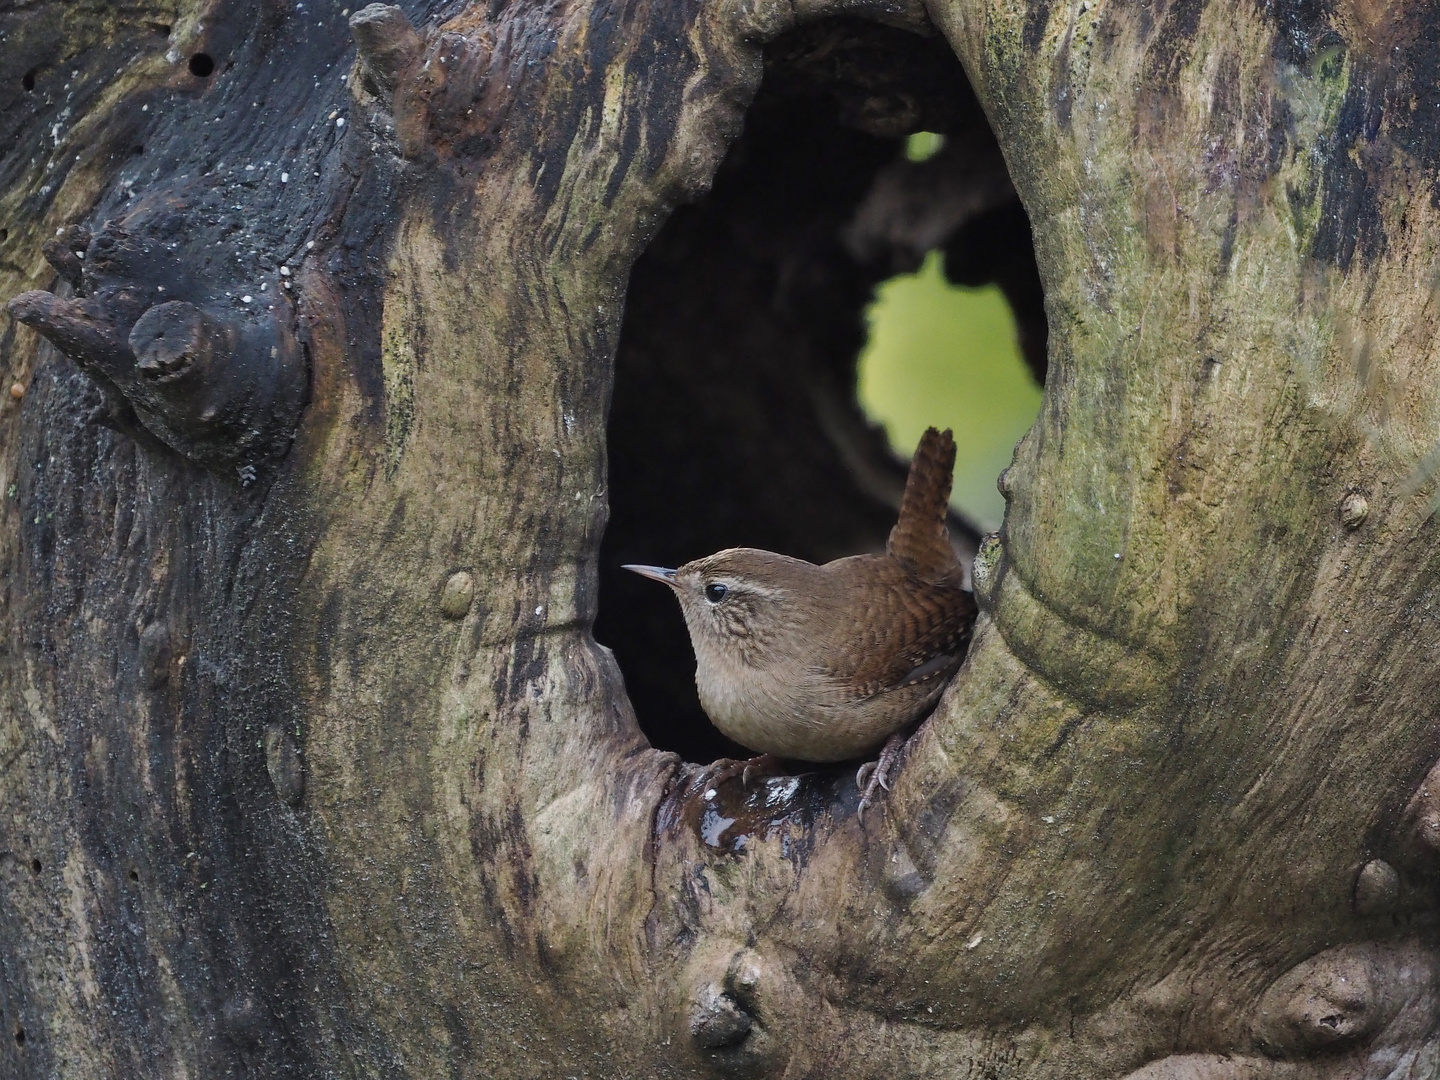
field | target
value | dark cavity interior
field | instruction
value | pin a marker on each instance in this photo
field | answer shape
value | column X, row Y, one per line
column 734, row 420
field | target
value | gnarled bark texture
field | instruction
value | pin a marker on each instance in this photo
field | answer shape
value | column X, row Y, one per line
column 311, row 765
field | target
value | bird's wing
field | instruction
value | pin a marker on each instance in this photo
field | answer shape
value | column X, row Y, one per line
column 919, row 538
column 905, row 631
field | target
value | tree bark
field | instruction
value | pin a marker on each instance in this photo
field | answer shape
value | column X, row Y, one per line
column 311, row 765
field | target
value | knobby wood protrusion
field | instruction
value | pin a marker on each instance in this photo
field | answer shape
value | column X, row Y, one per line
column 457, row 594
column 1353, row 510
column 718, row 1023
column 729, row 1028
column 66, row 262
column 1341, row 997
column 1421, row 820
column 1377, row 888
column 218, row 378
column 284, row 765
column 386, row 43
column 449, row 111
column 155, row 653
column 431, row 86
column 1328, row 1016
column 65, row 251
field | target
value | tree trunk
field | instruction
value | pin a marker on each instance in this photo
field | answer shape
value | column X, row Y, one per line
column 310, row 763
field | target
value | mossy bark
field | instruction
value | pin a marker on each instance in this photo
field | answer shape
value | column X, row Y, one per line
column 311, row 765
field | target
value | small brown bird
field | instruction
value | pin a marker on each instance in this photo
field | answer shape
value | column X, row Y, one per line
column 826, row 663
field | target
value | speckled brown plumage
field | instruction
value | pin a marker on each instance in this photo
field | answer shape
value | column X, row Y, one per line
column 905, row 631
column 919, row 539
column 824, row 663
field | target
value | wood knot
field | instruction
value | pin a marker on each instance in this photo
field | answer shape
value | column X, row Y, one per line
column 452, row 107
column 718, row 1022
column 1353, row 510
column 284, row 764
column 984, row 571
column 457, row 595
column 726, row 1021
column 1421, row 821
column 387, row 43
column 1377, row 888
column 65, row 262
column 1325, row 1001
column 65, row 253
column 154, row 654
column 1343, row 996
column 169, row 352
column 219, row 391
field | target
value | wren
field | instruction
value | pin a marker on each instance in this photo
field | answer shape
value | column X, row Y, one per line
column 827, row 663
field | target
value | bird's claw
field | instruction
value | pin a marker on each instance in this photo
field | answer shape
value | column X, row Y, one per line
column 876, row 774
column 743, row 769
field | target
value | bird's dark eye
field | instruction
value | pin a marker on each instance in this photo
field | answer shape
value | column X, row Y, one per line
column 715, row 592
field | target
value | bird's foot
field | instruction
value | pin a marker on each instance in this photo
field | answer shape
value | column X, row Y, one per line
column 876, row 774
column 729, row 769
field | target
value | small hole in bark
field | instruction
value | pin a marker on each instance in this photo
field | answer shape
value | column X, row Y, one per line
column 134, row 875
column 20, row 1036
column 735, row 419
column 201, row 65
column 35, row 866
column 28, row 80
column 137, row 150
column 159, row 29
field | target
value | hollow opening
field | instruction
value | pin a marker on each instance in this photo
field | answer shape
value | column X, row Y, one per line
column 952, row 347
column 27, row 81
column 735, row 419
column 201, row 65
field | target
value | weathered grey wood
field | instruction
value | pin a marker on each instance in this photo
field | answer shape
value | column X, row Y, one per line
column 320, row 771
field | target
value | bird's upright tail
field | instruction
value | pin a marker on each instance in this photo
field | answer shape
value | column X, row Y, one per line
column 920, row 539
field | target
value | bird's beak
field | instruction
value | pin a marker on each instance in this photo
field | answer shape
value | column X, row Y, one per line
column 654, row 573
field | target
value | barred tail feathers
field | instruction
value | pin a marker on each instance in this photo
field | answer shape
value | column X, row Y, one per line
column 919, row 538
